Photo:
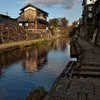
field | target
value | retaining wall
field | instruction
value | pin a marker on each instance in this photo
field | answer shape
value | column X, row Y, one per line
column 11, row 33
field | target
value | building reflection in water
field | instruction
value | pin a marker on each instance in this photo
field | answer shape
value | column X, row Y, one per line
column 33, row 57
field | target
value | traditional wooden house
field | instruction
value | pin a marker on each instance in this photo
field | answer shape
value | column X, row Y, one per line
column 7, row 20
column 32, row 18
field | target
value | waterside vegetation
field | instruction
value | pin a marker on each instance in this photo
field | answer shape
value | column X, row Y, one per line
column 37, row 94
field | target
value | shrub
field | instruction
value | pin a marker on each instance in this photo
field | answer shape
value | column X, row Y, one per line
column 37, row 94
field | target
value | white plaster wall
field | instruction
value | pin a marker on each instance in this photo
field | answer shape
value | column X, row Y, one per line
column 91, row 1
column 29, row 8
column 20, row 24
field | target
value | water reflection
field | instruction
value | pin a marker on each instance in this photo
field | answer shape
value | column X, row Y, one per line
column 35, row 58
column 22, row 70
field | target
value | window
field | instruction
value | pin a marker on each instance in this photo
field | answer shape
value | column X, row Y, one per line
column 20, row 24
column 26, row 24
column 0, row 20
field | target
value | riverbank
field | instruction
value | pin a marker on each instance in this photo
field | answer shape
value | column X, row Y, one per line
column 84, row 80
column 20, row 44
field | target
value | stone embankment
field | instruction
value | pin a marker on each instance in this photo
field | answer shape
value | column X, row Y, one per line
column 12, row 33
column 80, row 80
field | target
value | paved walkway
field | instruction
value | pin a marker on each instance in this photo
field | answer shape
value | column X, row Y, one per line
column 85, row 84
column 89, row 61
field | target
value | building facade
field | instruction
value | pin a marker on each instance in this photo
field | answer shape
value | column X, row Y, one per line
column 97, row 10
column 32, row 18
column 7, row 20
column 88, row 16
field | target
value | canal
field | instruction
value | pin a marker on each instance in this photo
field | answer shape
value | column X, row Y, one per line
column 22, row 70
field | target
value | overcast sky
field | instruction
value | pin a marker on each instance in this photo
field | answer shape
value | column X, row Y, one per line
column 71, row 9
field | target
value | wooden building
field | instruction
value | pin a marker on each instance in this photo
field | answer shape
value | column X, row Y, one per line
column 32, row 18
column 7, row 20
column 88, row 15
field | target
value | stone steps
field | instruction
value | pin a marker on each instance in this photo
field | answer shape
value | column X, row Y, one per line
column 89, row 68
column 90, row 74
column 86, row 74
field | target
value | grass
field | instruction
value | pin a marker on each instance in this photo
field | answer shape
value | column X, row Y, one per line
column 26, row 43
column 43, row 42
column 37, row 94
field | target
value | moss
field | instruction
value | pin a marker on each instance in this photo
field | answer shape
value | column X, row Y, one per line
column 54, row 39
column 72, row 48
column 37, row 94
column 43, row 42
column 91, row 30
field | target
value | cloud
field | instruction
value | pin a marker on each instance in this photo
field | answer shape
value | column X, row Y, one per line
column 67, row 4
column 70, row 11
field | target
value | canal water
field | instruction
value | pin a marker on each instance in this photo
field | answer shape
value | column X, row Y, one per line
column 28, row 68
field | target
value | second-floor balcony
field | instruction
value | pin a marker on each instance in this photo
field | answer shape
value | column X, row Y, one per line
column 41, row 17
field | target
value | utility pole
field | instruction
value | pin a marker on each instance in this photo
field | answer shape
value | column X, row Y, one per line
column 6, row 13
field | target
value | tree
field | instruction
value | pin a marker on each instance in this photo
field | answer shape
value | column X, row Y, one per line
column 64, row 22
column 53, row 23
column 73, row 27
column 64, row 25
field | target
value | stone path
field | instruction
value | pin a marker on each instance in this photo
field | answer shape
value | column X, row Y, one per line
column 89, row 65
column 85, row 83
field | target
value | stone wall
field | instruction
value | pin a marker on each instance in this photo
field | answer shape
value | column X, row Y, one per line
column 11, row 33
column 36, row 36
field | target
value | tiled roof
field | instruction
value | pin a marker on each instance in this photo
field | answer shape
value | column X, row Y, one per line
column 22, row 19
column 30, row 5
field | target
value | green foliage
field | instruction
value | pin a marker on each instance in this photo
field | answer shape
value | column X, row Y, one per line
column 52, row 30
column 73, row 27
column 40, row 43
column 91, row 30
column 37, row 94
column 53, row 40
column 53, row 23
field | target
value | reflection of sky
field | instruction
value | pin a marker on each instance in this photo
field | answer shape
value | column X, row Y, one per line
column 16, row 82
column 58, row 60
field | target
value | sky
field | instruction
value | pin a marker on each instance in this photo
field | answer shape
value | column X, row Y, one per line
column 71, row 9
